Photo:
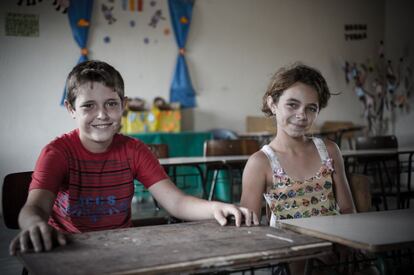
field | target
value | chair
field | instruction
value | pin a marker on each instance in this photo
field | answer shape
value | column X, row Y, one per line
column 221, row 133
column 227, row 148
column 160, row 151
column 379, row 165
column 336, row 131
column 14, row 196
column 360, row 189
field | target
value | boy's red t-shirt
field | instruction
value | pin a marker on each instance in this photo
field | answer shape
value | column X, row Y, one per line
column 94, row 190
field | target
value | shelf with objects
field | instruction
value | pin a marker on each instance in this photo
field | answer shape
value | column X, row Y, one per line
column 161, row 124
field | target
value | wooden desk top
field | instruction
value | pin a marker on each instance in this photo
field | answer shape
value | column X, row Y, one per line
column 185, row 247
column 176, row 161
column 372, row 231
column 377, row 152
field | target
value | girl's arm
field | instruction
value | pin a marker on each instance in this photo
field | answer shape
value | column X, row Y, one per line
column 254, row 182
column 188, row 207
column 341, row 187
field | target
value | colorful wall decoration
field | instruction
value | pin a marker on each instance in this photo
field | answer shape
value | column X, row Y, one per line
column 154, row 120
column 384, row 87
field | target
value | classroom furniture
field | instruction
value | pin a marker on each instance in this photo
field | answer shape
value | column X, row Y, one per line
column 200, row 162
column 227, row 148
column 222, row 133
column 192, row 247
column 339, row 131
column 14, row 196
column 260, row 124
column 376, row 232
column 403, row 197
column 182, row 144
column 361, row 193
column 263, row 137
column 380, row 167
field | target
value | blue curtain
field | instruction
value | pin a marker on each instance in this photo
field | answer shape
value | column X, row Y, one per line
column 182, row 90
column 79, row 14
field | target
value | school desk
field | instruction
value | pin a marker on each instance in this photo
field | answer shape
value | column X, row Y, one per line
column 375, row 232
column 176, row 248
column 198, row 162
column 406, row 150
column 182, row 144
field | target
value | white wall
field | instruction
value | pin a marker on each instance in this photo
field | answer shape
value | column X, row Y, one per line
column 234, row 46
column 399, row 38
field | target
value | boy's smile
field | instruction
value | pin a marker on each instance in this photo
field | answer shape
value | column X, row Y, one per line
column 97, row 111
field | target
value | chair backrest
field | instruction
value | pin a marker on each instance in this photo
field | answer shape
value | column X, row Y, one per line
column 159, row 150
column 230, row 147
column 376, row 142
column 14, row 196
column 221, row 133
column 360, row 189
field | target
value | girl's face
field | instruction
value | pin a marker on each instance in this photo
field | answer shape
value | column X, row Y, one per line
column 296, row 109
column 98, row 112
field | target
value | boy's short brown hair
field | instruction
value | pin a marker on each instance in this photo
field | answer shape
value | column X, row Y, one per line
column 93, row 71
column 285, row 77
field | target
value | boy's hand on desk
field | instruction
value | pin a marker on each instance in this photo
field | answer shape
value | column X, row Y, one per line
column 39, row 237
column 222, row 211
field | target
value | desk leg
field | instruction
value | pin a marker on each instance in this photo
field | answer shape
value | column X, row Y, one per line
column 308, row 267
column 410, row 158
column 381, row 264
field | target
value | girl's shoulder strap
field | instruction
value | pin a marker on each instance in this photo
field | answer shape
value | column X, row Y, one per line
column 271, row 155
column 320, row 145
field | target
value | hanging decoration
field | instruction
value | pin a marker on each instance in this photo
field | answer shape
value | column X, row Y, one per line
column 58, row 4
column 181, row 90
column 79, row 14
column 382, row 89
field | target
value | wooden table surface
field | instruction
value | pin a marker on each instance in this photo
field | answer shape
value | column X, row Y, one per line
column 185, row 247
column 373, row 231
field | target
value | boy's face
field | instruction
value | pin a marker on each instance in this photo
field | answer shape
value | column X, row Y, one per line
column 97, row 111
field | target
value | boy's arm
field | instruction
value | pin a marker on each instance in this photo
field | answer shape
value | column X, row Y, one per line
column 188, row 207
column 33, row 220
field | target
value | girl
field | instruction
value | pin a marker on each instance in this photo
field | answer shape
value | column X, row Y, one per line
column 299, row 176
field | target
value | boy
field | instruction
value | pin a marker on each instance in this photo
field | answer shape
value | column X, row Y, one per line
column 83, row 180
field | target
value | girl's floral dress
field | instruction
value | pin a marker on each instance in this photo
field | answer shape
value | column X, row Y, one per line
column 291, row 199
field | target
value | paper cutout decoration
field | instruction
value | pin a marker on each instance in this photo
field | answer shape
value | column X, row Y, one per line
column 58, row 4
column 156, row 18
column 388, row 90
column 107, row 13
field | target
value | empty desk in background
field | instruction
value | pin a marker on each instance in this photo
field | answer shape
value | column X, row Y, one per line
column 182, row 144
column 176, row 248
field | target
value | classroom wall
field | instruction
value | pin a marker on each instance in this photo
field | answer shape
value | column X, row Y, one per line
column 233, row 48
